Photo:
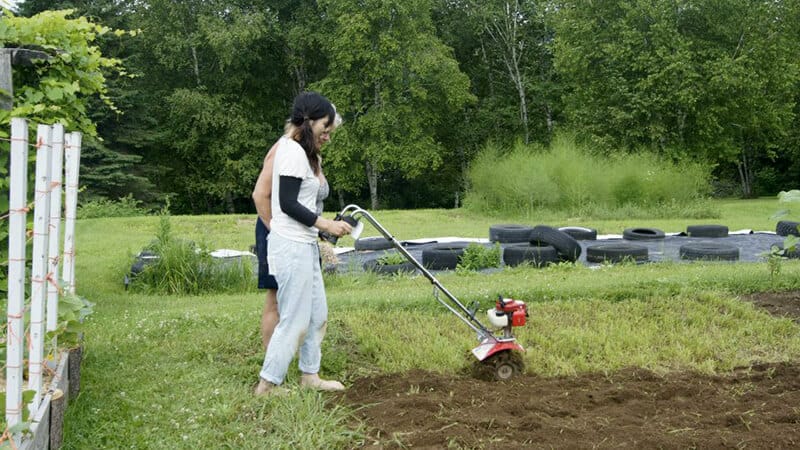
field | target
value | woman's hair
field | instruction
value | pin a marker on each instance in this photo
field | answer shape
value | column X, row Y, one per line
column 309, row 106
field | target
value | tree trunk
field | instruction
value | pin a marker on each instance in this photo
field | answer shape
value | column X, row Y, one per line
column 229, row 203
column 372, row 172
column 7, row 97
column 340, row 194
column 300, row 76
column 372, row 180
column 548, row 115
column 745, row 175
column 505, row 34
column 523, row 105
column 196, row 65
column 298, row 70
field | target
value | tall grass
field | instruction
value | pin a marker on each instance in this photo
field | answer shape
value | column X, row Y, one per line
column 569, row 178
column 185, row 268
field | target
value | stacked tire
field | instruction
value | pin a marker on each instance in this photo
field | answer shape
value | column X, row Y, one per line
column 373, row 243
column 707, row 231
column 708, row 251
column 443, row 256
column 787, row 228
column 534, row 253
column 507, row 234
column 616, row 252
column 567, row 248
column 580, row 233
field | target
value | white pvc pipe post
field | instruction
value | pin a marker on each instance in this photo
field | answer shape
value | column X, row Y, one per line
column 72, row 158
column 41, row 218
column 16, row 269
column 54, row 242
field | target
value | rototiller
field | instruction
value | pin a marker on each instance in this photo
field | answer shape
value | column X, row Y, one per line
column 498, row 352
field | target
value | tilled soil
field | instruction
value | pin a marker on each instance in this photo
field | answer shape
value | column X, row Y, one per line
column 780, row 304
column 753, row 407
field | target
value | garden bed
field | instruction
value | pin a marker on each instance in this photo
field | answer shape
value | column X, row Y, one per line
column 47, row 422
column 752, row 406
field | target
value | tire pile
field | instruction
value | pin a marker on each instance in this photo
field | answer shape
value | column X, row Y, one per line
column 542, row 245
column 546, row 245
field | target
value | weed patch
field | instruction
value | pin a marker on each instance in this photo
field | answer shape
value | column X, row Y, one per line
column 181, row 267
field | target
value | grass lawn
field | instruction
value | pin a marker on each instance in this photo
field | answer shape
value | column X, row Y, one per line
column 178, row 372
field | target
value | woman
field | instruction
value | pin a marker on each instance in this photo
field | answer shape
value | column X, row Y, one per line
column 262, row 197
column 297, row 186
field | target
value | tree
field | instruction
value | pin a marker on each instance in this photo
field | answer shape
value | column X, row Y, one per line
column 396, row 85
column 110, row 168
column 505, row 48
column 710, row 79
column 215, row 92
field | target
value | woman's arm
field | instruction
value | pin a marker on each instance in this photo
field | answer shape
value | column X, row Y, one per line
column 289, row 189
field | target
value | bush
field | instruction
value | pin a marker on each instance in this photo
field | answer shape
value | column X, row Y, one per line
column 477, row 257
column 567, row 177
column 123, row 207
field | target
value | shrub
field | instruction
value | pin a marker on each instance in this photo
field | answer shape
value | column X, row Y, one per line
column 567, row 177
column 123, row 207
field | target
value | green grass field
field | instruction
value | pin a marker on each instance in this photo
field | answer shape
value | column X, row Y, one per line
column 178, row 372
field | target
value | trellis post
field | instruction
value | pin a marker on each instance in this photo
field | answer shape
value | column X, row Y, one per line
column 72, row 156
column 16, row 269
column 54, row 256
column 41, row 217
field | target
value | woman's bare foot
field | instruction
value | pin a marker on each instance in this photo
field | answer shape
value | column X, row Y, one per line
column 265, row 388
column 313, row 381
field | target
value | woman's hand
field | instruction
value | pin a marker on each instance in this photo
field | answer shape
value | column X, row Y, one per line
column 337, row 228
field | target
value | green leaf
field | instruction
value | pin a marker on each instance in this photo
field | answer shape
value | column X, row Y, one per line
column 54, row 93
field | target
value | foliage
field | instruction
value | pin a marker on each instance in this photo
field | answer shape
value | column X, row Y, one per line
column 568, row 177
column 184, row 268
column 213, row 94
column 409, row 85
column 477, row 257
column 425, row 84
column 72, row 312
column 123, row 207
column 391, row 258
column 715, row 79
column 57, row 90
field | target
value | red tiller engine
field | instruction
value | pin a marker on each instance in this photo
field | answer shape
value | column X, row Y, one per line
column 508, row 313
column 514, row 309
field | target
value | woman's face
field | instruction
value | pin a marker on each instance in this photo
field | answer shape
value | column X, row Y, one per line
column 322, row 131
